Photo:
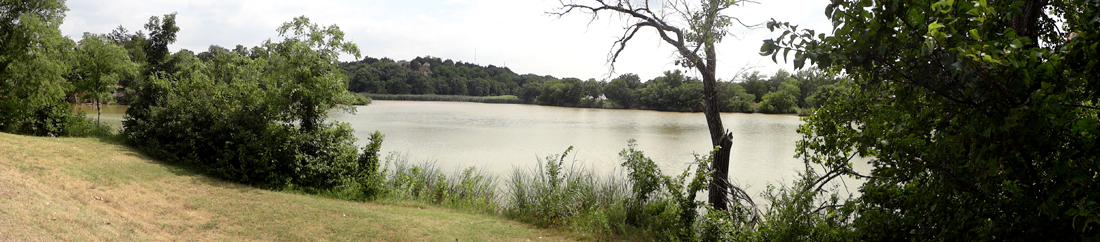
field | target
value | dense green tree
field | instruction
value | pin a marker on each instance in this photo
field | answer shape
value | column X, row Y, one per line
column 593, row 89
column 672, row 92
column 774, row 83
column 822, row 95
column 479, row 87
column 309, row 76
column 212, row 53
column 34, row 58
column 623, row 90
column 981, row 117
column 262, row 120
column 100, row 64
column 755, row 84
column 531, row 89
column 134, row 43
column 740, row 100
column 565, row 92
column 430, row 75
column 809, row 82
column 162, row 32
column 783, row 100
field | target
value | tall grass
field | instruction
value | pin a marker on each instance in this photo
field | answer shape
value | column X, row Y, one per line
column 447, row 98
column 646, row 205
column 639, row 203
column 468, row 189
column 550, row 195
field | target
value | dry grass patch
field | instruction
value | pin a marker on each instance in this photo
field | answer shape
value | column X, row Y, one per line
column 85, row 189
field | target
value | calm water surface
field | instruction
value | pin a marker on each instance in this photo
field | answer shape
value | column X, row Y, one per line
column 501, row 137
column 112, row 114
column 498, row 138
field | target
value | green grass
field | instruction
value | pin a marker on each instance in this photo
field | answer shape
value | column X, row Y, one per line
column 89, row 189
column 447, row 98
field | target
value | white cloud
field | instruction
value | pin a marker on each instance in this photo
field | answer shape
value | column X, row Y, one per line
column 516, row 33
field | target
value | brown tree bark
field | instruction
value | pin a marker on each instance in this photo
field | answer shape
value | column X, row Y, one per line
column 1026, row 23
column 719, row 185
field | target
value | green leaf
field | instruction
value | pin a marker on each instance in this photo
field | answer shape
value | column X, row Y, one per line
column 799, row 61
column 975, row 35
column 943, row 6
column 934, row 25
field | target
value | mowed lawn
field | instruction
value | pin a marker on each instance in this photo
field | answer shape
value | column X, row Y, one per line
column 86, row 189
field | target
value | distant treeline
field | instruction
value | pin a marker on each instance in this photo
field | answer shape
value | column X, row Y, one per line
column 782, row 92
column 445, row 98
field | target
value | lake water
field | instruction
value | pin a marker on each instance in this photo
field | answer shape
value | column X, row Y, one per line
column 498, row 138
column 112, row 114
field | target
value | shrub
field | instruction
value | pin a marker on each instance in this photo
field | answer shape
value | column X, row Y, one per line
column 805, row 212
column 361, row 99
column 262, row 122
column 80, row 126
column 371, row 180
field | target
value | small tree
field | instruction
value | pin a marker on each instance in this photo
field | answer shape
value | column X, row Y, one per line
column 693, row 29
column 99, row 66
column 306, row 69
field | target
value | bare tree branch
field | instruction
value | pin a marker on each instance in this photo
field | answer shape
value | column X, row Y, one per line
column 699, row 30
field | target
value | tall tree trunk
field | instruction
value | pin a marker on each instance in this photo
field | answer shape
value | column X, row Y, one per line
column 98, row 112
column 719, row 185
column 1026, row 22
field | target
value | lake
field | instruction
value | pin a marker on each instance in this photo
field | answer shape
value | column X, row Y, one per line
column 498, row 138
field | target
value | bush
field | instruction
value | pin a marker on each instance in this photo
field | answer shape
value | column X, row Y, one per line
column 805, row 212
column 80, row 126
column 233, row 131
column 371, row 180
column 256, row 121
column 742, row 105
column 361, row 99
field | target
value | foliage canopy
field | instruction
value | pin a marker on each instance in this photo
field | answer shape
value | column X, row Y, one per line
column 981, row 116
column 255, row 120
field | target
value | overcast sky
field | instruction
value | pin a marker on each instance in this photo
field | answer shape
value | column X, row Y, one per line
column 513, row 33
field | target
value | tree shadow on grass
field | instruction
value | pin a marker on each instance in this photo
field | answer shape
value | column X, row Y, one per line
column 199, row 174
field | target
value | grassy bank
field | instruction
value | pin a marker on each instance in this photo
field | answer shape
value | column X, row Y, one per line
column 87, row 189
column 446, row 98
